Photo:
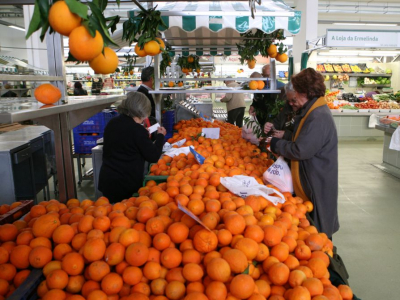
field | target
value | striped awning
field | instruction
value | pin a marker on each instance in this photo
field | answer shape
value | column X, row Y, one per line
column 189, row 16
column 219, row 24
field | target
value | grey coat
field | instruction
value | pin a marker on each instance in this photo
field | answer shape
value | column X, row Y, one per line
column 316, row 149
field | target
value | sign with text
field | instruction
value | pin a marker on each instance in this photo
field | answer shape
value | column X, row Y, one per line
column 362, row 38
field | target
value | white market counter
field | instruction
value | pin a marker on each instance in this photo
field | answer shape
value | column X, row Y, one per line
column 390, row 158
column 355, row 125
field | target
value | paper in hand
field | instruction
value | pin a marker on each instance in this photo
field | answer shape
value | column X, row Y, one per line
column 153, row 128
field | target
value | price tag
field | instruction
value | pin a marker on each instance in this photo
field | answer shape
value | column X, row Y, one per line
column 200, row 159
column 211, row 133
column 194, row 217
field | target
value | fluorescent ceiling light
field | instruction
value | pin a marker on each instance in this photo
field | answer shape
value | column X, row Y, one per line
column 366, row 24
column 16, row 27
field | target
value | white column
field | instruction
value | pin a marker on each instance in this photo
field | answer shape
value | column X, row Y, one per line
column 36, row 57
column 308, row 30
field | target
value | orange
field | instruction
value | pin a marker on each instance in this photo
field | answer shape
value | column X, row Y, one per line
column 47, row 93
column 61, row 19
column 40, row 256
column 105, row 63
column 236, row 259
column 253, row 85
column 137, row 254
column 152, row 48
column 251, row 63
column 261, row 84
column 272, row 51
column 282, row 57
column 242, row 286
column 140, row 52
column 218, row 269
column 83, row 46
column 278, row 273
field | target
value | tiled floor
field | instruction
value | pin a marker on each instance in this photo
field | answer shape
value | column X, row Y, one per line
column 369, row 207
column 369, row 235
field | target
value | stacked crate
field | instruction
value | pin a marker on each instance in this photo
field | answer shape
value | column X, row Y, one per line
column 168, row 122
column 87, row 133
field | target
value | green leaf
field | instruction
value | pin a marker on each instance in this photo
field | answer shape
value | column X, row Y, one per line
column 71, row 58
column 98, row 21
column 247, row 270
column 113, row 24
column 35, row 23
column 78, row 8
column 102, row 4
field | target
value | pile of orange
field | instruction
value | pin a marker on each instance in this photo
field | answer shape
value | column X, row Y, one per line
column 5, row 208
column 82, row 45
column 147, row 247
column 229, row 155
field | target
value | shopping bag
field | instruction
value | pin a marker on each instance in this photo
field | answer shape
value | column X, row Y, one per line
column 279, row 175
column 244, row 186
column 248, row 134
column 395, row 140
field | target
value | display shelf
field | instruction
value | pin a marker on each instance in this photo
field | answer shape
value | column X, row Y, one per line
column 198, row 91
column 358, row 74
column 7, row 77
column 128, row 79
column 34, row 110
column 213, row 79
column 375, row 85
column 22, row 89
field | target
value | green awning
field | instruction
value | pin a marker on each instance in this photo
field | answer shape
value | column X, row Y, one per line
column 270, row 16
column 216, row 24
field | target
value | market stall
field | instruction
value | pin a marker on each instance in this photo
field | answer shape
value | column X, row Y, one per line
column 361, row 71
column 214, row 28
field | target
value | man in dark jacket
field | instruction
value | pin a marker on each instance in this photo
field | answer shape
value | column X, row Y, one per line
column 147, row 85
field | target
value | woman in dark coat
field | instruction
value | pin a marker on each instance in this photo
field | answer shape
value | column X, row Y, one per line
column 127, row 146
column 313, row 150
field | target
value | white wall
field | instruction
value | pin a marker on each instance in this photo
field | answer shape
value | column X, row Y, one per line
column 10, row 37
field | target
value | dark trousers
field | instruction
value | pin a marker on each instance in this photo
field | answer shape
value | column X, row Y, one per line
column 235, row 116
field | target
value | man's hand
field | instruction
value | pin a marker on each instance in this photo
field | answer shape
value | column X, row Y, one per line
column 162, row 130
column 267, row 127
column 278, row 133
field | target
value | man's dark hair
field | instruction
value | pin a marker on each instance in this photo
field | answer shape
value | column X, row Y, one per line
column 78, row 85
column 147, row 73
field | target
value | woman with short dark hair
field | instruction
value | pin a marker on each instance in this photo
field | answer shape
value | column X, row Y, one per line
column 313, row 150
column 78, row 90
column 126, row 147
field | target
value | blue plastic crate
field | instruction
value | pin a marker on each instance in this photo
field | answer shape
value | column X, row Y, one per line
column 97, row 123
column 168, row 117
column 84, row 143
column 108, row 115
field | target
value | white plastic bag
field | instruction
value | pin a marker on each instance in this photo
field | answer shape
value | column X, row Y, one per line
column 167, row 146
column 247, row 133
column 395, row 141
column 176, row 151
column 244, row 186
column 279, row 175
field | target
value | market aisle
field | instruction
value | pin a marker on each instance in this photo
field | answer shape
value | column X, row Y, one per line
column 369, row 238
